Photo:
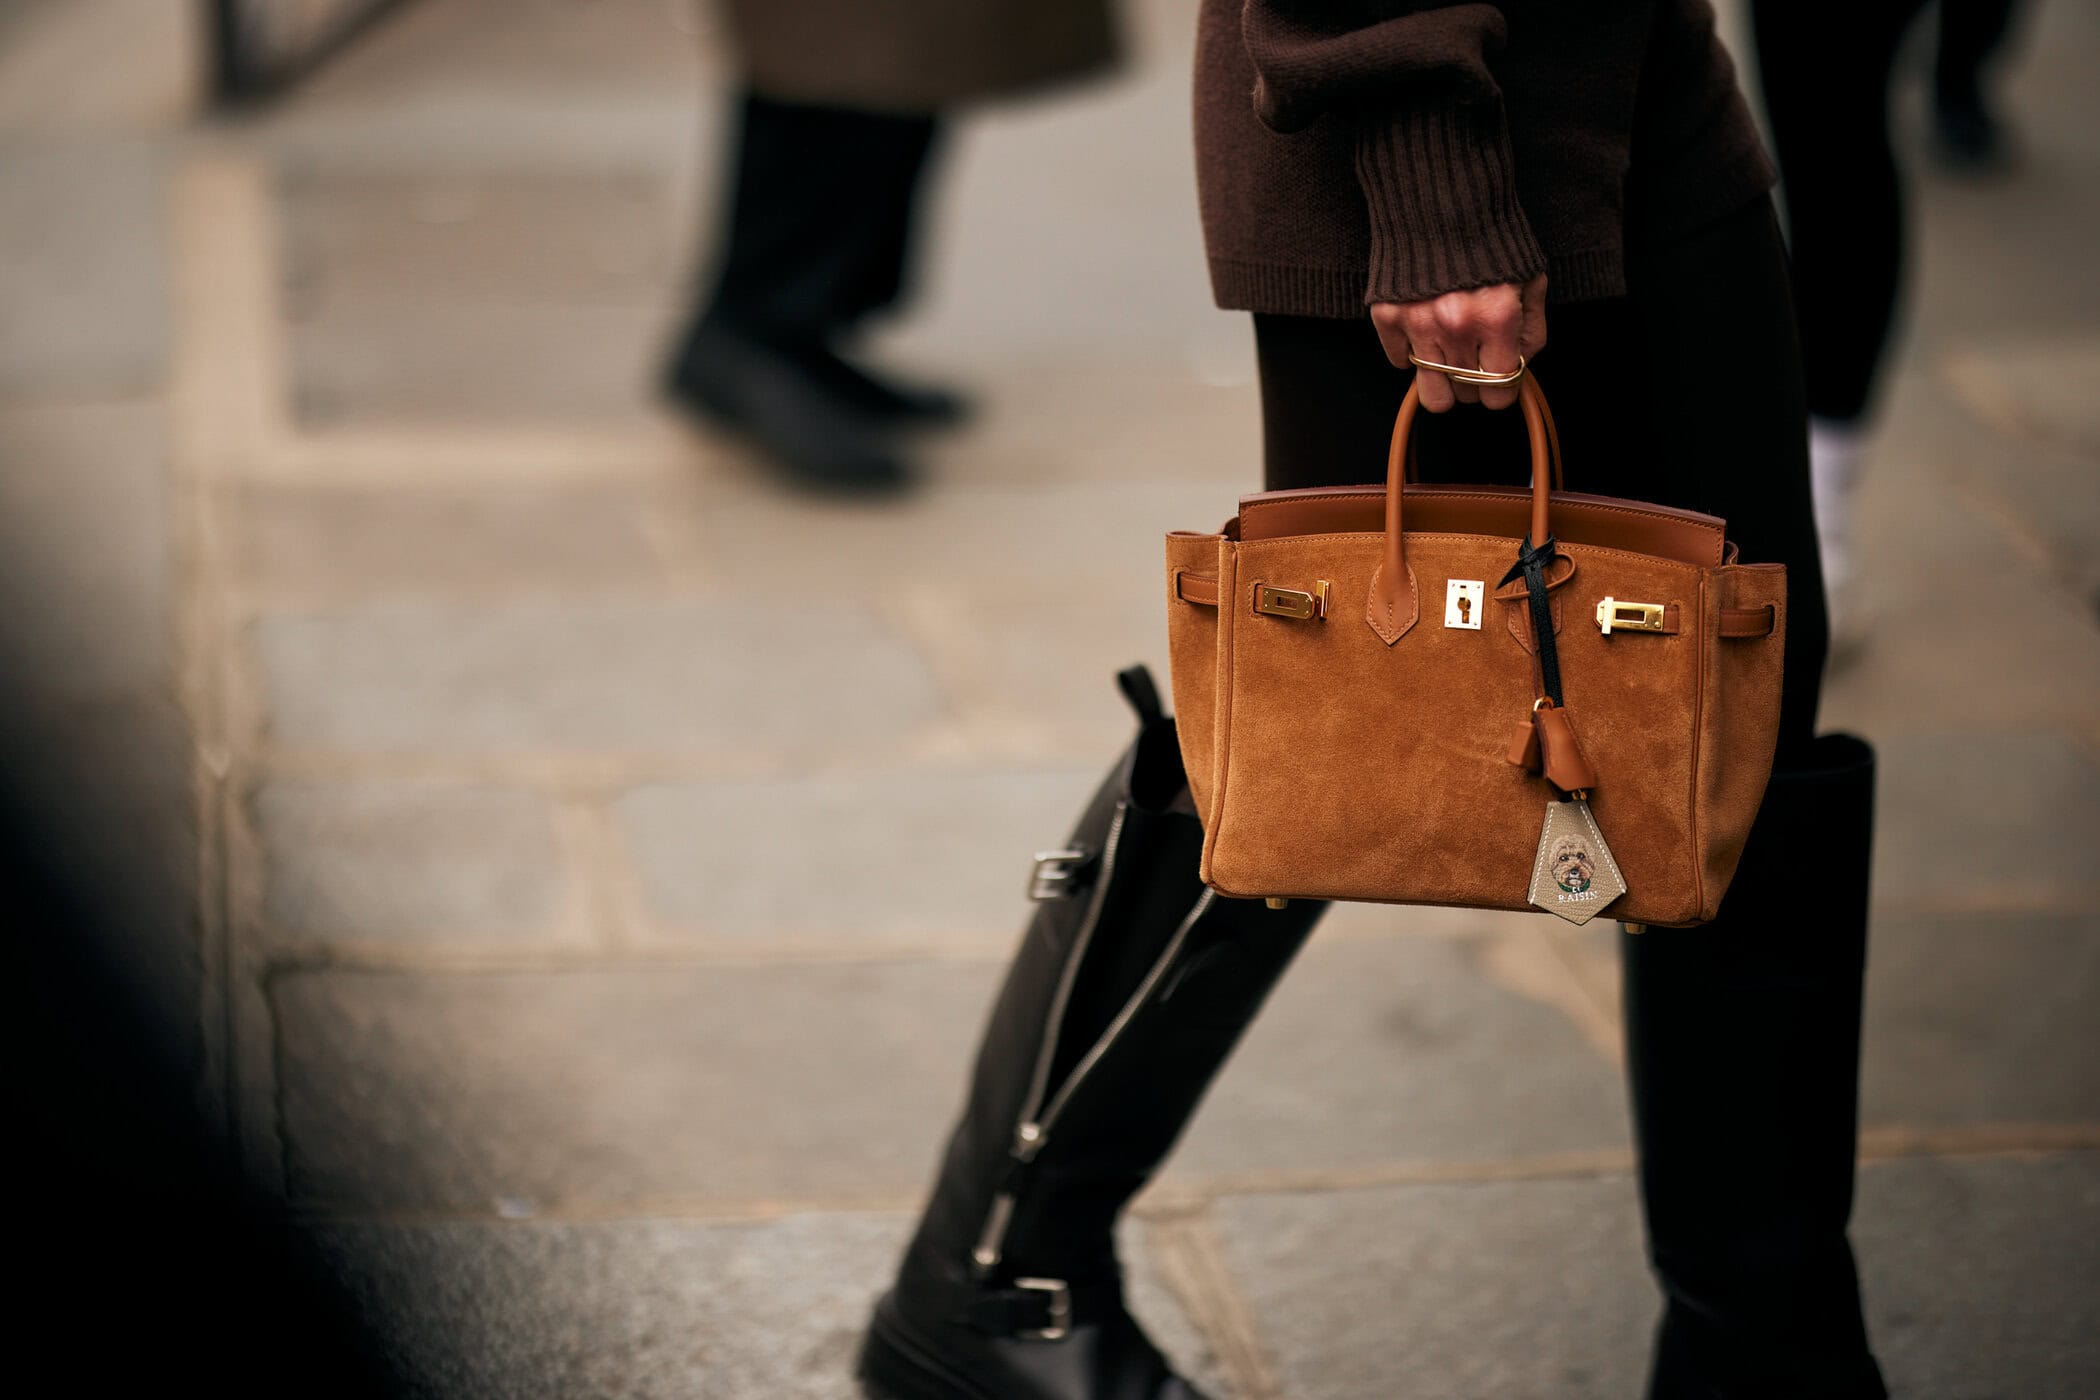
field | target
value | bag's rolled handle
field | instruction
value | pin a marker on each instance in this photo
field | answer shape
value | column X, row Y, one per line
column 1414, row 449
column 1395, row 604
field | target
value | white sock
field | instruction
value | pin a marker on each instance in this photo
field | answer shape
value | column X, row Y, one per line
column 1835, row 447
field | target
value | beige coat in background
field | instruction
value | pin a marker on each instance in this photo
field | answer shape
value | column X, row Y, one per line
column 917, row 55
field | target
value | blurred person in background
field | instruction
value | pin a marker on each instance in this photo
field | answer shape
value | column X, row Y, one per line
column 842, row 108
column 1382, row 182
column 1825, row 74
column 1967, row 132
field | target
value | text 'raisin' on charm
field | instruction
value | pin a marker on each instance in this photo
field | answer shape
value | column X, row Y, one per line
column 1574, row 875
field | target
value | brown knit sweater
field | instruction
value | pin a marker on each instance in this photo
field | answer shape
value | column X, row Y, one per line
column 1354, row 151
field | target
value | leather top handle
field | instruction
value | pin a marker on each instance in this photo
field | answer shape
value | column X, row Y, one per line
column 1414, row 446
column 1395, row 603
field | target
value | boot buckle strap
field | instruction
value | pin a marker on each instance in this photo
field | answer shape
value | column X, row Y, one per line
column 1027, row 1309
column 1055, row 874
column 1056, row 1297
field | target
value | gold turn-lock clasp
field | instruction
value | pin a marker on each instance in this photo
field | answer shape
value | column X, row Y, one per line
column 1271, row 601
column 1613, row 615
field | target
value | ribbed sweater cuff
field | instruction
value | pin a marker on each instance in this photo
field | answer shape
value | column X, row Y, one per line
column 1441, row 190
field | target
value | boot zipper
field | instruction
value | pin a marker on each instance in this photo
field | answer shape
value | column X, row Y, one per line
column 1028, row 1135
column 1124, row 1017
column 1034, row 1130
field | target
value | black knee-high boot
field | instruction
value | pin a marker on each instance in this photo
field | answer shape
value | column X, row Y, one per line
column 1132, row 985
column 1743, row 1056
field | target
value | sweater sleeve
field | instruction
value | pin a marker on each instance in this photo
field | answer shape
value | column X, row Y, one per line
column 1432, row 141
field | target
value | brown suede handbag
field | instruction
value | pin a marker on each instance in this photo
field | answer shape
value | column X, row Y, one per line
column 1366, row 712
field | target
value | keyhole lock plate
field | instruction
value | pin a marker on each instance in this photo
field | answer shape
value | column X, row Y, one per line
column 1463, row 598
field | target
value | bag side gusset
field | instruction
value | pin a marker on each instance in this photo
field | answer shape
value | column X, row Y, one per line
column 1740, row 728
column 1192, row 648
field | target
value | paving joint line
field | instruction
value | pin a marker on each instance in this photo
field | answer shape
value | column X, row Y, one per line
column 1182, row 1198
column 225, row 399
column 596, row 913
column 1191, row 1259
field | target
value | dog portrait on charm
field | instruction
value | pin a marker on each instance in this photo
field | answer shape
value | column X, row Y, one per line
column 1571, row 865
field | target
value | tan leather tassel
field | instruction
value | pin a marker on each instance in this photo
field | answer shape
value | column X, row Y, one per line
column 1560, row 753
column 1524, row 746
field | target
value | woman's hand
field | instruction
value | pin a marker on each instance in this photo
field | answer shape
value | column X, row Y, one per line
column 1487, row 327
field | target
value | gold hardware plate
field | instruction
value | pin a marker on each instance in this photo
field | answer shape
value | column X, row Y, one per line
column 1464, row 603
column 1271, row 601
column 1615, row 616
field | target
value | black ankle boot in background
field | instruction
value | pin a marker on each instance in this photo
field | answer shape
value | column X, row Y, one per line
column 1743, row 1056
column 780, row 396
column 1132, row 985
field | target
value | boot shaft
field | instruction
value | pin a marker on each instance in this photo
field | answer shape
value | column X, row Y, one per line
column 1131, row 986
column 1743, row 1040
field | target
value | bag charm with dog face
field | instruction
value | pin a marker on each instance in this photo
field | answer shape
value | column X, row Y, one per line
column 1574, row 875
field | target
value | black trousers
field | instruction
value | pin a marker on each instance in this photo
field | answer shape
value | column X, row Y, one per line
column 1686, row 392
column 823, row 211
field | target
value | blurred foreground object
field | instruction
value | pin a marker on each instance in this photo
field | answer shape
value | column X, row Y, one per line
column 259, row 47
column 839, row 119
column 153, row 1266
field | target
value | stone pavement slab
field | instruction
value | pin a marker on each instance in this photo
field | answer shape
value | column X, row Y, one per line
column 1983, row 641
column 436, row 865
column 2036, row 389
column 1009, row 538
column 655, row 1309
column 354, row 235
column 373, row 545
column 83, row 269
column 110, row 65
column 497, row 296
column 911, row 854
column 607, row 676
column 497, row 47
column 1538, row 1288
column 1032, row 670
column 1025, row 599
column 85, row 555
column 1982, row 1276
column 531, row 363
column 718, row 1084
column 2038, row 399
column 837, row 1080
column 1530, row 1290
column 2002, row 821
column 1186, row 414
column 1406, row 1050
column 1981, row 1019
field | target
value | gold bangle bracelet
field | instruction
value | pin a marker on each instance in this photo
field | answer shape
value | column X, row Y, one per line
column 1470, row 376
